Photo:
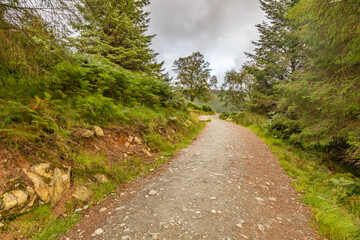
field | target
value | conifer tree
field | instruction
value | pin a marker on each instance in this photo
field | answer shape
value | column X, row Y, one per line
column 277, row 54
column 117, row 31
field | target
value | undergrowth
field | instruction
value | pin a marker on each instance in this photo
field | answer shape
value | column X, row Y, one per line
column 332, row 192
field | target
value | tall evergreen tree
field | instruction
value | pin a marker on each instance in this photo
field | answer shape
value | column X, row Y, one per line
column 117, row 30
column 324, row 101
column 277, row 54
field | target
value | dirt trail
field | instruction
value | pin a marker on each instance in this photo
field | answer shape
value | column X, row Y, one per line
column 225, row 185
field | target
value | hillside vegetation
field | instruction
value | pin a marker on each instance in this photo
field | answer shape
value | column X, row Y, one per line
column 304, row 76
column 81, row 95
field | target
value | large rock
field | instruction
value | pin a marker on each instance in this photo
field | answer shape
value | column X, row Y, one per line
column 32, row 197
column 101, row 178
column 13, row 202
column 137, row 140
column 82, row 193
column 98, row 131
column 130, row 139
column 42, row 169
column 41, row 188
column 87, row 134
column 59, row 184
column 20, row 201
column 9, row 201
column 147, row 152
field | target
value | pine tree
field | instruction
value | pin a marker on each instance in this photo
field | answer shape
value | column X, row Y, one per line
column 117, row 31
column 277, row 54
column 324, row 100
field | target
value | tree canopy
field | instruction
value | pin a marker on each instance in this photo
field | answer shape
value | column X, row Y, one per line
column 117, row 31
column 305, row 72
column 193, row 76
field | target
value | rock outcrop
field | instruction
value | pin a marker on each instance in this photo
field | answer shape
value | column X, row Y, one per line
column 48, row 186
column 98, row 131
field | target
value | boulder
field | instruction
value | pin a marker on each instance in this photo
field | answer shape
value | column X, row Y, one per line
column 147, row 152
column 12, row 202
column 42, row 169
column 9, row 201
column 137, row 140
column 59, row 184
column 98, row 131
column 101, row 178
column 87, row 133
column 32, row 197
column 82, row 193
column 21, row 197
column 41, row 188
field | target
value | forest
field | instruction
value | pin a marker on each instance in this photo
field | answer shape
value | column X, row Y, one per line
column 304, row 76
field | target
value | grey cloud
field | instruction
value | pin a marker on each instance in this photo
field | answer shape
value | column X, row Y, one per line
column 220, row 29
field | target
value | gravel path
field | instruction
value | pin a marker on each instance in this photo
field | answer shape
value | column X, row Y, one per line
column 225, row 185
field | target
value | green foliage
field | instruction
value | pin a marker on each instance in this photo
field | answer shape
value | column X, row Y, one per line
column 245, row 118
column 204, row 108
column 102, row 190
column 193, row 77
column 98, row 109
column 117, row 31
column 234, row 89
column 278, row 53
column 320, row 109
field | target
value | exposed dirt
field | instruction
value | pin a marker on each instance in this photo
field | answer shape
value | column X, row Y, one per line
column 12, row 160
column 225, row 185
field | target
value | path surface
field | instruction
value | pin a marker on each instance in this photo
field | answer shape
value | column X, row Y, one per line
column 225, row 185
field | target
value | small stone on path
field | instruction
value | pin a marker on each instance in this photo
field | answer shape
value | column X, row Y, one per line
column 261, row 227
column 99, row 231
column 153, row 192
column 78, row 210
column 120, row 208
column 102, row 209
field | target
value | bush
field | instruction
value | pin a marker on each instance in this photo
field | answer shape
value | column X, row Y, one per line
column 207, row 108
column 98, row 109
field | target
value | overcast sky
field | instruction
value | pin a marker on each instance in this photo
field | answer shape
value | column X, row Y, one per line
column 222, row 30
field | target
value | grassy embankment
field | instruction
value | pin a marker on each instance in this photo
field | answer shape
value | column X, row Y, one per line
column 42, row 120
column 331, row 191
column 43, row 223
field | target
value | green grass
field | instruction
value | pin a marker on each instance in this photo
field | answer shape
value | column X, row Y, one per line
column 103, row 189
column 334, row 198
column 41, row 224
